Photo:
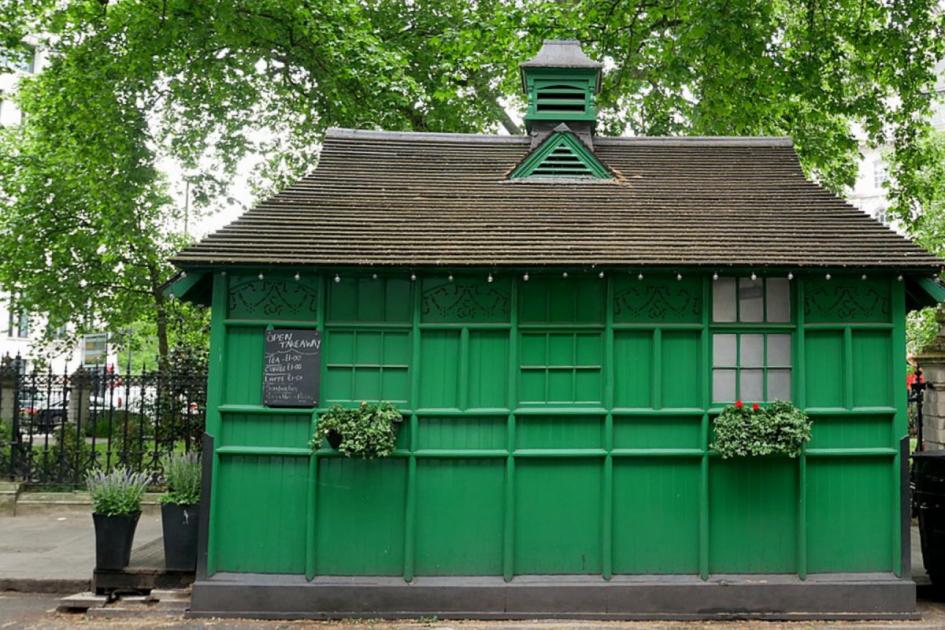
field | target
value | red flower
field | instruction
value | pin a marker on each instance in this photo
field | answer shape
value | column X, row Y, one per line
column 755, row 407
column 738, row 404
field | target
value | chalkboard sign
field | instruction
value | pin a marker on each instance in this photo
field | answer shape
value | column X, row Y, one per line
column 291, row 372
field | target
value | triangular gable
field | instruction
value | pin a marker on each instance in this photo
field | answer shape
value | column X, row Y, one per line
column 562, row 154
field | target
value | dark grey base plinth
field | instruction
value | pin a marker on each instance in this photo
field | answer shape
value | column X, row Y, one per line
column 834, row 596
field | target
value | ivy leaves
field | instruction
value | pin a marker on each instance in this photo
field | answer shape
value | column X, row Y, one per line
column 367, row 431
column 779, row 429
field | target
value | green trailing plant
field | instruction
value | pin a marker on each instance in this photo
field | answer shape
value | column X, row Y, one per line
column 116, row 493
column 367, row 431
column 182, row 474
column 778, row 429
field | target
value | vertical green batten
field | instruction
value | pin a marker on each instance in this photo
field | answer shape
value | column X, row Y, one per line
column 321, row 313
column 215, row 380
column 800, row 399
column 607, row 529
column 410, row 516
column 900, row 401
column 656, row 376
column 508, row 525
column 704, row 428
column 847, row 367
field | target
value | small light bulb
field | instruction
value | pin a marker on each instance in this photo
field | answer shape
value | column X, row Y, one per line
column 639, row 276
column 450, row 277
column 261, row 276
column 753, row 277
column 826, row 276
column 679, row 276
column 564, row 274
column 715, row 276
column 373, row 276
column 863, row 277
column 296, row 276
column 489, row 279
column 899, row 277
column 222, row 273
column 600, row 275
column 525, row 276
column 790, row 276
column 183, row 274
column 337, row 278
column 413, row 277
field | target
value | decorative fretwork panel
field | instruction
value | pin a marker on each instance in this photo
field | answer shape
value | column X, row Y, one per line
column 847, row 299
column 465, row 300
column 276, row 296
column 660, row 299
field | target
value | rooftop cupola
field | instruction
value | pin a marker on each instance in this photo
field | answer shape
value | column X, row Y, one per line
column 561, row 84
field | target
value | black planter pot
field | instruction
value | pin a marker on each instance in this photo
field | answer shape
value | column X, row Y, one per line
column 114, row 536
column 334, row 439
column 180, row 524
column 928, row 469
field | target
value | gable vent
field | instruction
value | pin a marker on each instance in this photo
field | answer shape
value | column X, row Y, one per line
column 561, row 155
column 560, row 98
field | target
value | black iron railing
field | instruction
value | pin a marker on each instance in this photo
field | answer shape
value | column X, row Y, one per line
column 55, row 427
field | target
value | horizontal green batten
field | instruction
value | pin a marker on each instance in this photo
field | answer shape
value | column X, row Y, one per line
column 854, row 411
column 561, row 367
column 557, row 326
column 263, row 451
column 749, row 326
column 851, row 452
column 453, row 411
column 275, row 323
column 666, row 411
column 460, row 326
column 657, row 452
column 374, row 366
column 559, row 411
column 655, row 325
column 562, row 453
column 854, row 326
column 437, row 453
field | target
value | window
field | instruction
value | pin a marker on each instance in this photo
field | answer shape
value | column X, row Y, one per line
column 18, row 323
column 755, row 364
column 880, row 174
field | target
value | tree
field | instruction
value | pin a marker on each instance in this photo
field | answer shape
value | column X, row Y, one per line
column 134, row 80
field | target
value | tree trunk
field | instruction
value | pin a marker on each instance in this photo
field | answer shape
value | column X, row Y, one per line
column 160, row 311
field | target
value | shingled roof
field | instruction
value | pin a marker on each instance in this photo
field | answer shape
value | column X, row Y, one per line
column 421, row 199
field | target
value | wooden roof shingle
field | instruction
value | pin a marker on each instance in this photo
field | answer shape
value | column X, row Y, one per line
column 416, row 199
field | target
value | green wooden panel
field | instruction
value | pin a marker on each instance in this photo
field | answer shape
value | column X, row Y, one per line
column 656, row 515
column 633, row 368
column 658, row 431
column 872, row 368
column 439, row 368
column 559, row 432
column 682, row 369
column 244, row 365
column 366, row 365
column 364, row 299
column 553, row 299
column 360, row 516
column 752, row 515
column 260, row 527
column 488, row 381
column 459, row 517
column 851, row 432
column 467, row 299
column 278, row 296
column 558, row 516
column 847, row 298
column 659, row 299
column 462, row 432
column 849, row 524
column 561, row 368
column 823, row 368
column 243, row 429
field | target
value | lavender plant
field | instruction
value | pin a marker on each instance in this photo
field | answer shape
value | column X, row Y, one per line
column 116, row 493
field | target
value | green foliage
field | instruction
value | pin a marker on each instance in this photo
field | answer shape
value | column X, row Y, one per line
column 367, row 431
column 921, row 328
column 778, row 429
column 182, row 474
column 116, row 493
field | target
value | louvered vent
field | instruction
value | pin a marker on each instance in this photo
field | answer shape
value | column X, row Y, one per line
column 563, row 162
column 560, row 99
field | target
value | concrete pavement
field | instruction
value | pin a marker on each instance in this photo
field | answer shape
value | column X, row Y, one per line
column 55, row 553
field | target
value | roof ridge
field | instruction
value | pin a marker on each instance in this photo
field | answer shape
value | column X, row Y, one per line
column 428, row 136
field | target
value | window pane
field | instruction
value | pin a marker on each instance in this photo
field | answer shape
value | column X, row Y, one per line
column 779, row 384
column 751, row 300
column 779, row 350
column 723, row 350
column 750, row 385
column 723, row 300
column 723, row 385
column 779, row 300
column 752, row 351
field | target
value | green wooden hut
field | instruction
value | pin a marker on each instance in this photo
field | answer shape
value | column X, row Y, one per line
column 560, row 317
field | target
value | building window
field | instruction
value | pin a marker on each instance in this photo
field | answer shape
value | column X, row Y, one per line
column 18, row 323
column 19, row 62
column 753, row 365
column 880, row 174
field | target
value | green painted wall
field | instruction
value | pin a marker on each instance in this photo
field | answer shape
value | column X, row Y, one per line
column 558, row 425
